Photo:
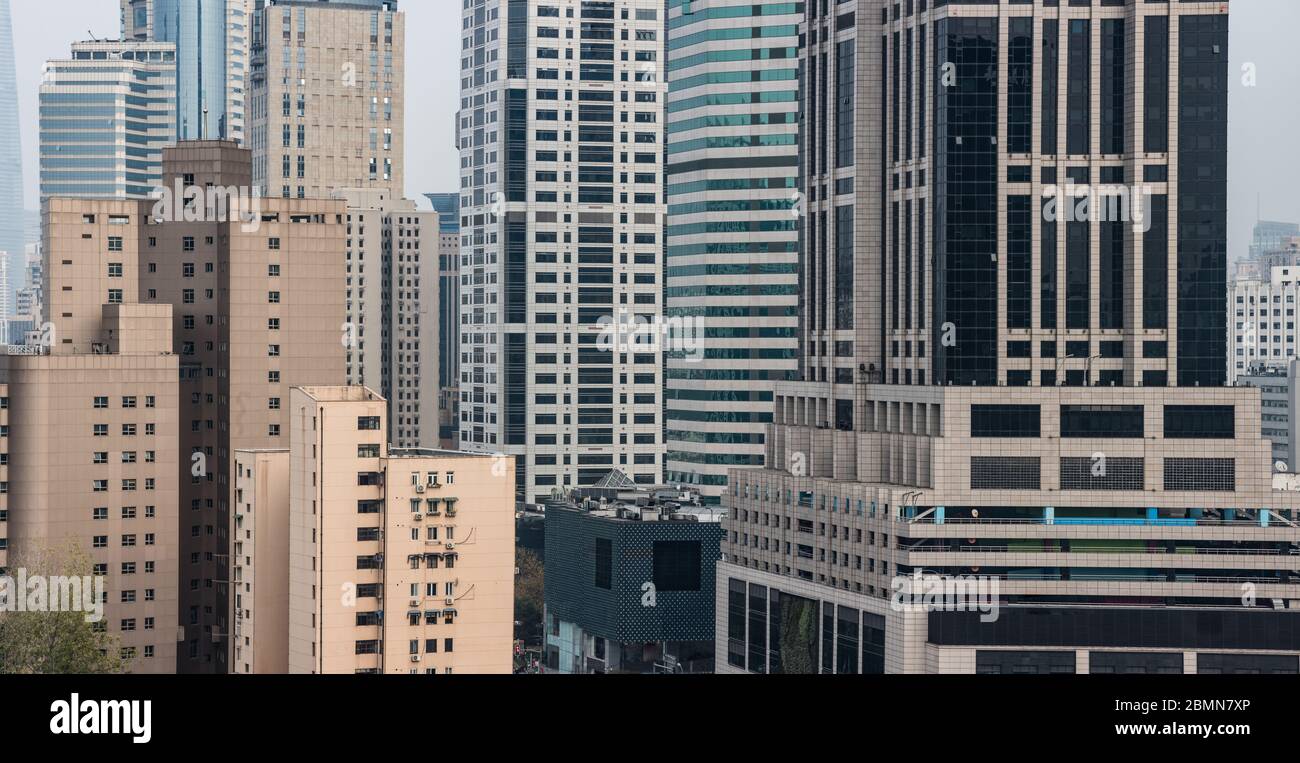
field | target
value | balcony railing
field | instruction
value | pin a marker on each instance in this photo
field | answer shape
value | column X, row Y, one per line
column 1000, row 549
column 1087, row 522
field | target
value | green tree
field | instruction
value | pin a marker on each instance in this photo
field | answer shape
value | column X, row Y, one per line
column 50, row 642
column 529, row 596
column 798, row 633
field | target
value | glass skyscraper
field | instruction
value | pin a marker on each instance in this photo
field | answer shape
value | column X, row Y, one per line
column 733, row 229
column 107, row 111
column 447, row 205
column 212, row 40
column 11, row 164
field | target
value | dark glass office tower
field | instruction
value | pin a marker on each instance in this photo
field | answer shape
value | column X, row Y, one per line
column 1044, row 204
column 1012, row 323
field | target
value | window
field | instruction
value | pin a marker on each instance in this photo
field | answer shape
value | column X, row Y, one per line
column 604, row 563
column 1004, row 473
column 997, row 662
column 677, row 565
column 1112, row 473
column 1104, row 421
column 1199, row 422
column 1209, row 474
column 1005, row 421
column 844, row 106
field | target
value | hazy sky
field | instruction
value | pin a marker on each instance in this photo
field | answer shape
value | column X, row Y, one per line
column 1263, row 160
column 45, row 29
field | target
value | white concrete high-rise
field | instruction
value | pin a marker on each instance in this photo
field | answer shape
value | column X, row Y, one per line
column 1261, row 320
column 561, row 140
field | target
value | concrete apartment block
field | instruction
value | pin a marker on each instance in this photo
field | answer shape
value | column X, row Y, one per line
column 259, row 563
column 394, row 310
column 256, row 289
column 400, row 561
column 90, row 463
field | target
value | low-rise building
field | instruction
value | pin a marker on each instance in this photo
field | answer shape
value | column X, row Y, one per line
column 354, row 557
column 629, row 580
column 1277, row 389
column 1068, row 530
column 1262, row 321
column 89, row 464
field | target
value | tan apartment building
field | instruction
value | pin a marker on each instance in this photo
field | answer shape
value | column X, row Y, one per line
column 393, row 310
column 400, row 561
column 89, row 462
column 256, row 288
column 259, row 563
column 326, row 104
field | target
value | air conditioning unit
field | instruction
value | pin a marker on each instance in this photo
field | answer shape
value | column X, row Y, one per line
column 449, row 601
column 416, row 517
column 415, row 602
column 415, row 658
column 450, row 546
column 419, row 488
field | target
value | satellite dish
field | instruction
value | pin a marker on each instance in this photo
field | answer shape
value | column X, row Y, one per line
column 1280, row 466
